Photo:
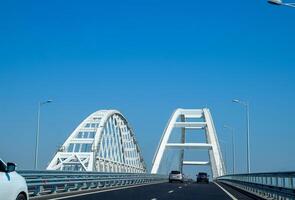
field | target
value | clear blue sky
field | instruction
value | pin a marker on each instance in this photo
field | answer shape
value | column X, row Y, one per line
column 147, row 58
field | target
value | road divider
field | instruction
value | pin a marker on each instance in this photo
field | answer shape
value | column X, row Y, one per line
column 44, row 183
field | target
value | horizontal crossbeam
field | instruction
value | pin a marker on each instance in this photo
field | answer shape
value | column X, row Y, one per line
column 82, row 141
column 196, row 125
column 189, row 145
column 196, row 163
column 191, row 113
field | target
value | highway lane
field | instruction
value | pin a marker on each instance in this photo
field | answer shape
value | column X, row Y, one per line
column 188, row 191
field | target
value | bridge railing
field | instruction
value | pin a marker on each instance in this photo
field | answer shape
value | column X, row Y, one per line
column 41, row 183
column 277, row 185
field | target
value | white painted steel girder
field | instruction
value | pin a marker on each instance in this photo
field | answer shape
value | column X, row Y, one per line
column 103, row 142
column 189, row 146
column 196, row 125
column 184, row 119
column 196, row 163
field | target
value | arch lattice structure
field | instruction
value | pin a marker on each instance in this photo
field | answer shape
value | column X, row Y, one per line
column 192, row 119
column 103, row 142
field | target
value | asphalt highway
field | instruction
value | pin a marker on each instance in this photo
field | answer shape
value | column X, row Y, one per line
column 171, row 191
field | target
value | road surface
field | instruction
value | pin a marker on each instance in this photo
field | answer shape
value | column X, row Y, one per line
column 171, row 191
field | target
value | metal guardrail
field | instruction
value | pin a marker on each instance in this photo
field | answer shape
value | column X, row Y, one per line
column 277, row 185
column 41, row 183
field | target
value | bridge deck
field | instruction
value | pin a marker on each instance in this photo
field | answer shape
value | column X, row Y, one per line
column 169, row 191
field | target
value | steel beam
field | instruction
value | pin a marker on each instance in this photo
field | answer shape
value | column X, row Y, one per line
column 189, row 146
column 196, row 125
column 196, row 163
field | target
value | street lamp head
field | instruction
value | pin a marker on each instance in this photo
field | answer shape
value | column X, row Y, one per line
column 275, row 2
column 244, row 103
column 45, row 102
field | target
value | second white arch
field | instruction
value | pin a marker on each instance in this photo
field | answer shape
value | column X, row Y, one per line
column 190, row 119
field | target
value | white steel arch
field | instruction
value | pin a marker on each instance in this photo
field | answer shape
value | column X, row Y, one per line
column 103, row 142
column 190, row 119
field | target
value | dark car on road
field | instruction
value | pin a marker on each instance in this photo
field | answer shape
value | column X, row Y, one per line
column 202, row 177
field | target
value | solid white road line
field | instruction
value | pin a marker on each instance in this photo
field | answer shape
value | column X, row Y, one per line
column 227, row 192
column 171, row 191
column 101, row 191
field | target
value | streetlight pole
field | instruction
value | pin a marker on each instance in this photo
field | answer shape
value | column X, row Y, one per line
column 246, row 105
column 281, row 3
column 38, row 132
column 225, row 157
column 233, row 146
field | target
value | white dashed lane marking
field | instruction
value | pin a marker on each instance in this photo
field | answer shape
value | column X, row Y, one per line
column 179, row 187
column 171, row 191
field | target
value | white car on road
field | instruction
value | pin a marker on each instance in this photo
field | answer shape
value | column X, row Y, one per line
column 176, row 176
column 12, row 185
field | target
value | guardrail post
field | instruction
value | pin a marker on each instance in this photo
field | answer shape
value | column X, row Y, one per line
column 54, row 189
column 284, row 182
column 66, row 187
column 277, row 181
column 37, row 190
column 291, row 184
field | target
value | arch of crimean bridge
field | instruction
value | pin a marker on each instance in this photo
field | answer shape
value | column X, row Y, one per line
column 103, row 142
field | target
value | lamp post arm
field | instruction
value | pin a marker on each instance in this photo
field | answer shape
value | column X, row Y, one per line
column 289, row 4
